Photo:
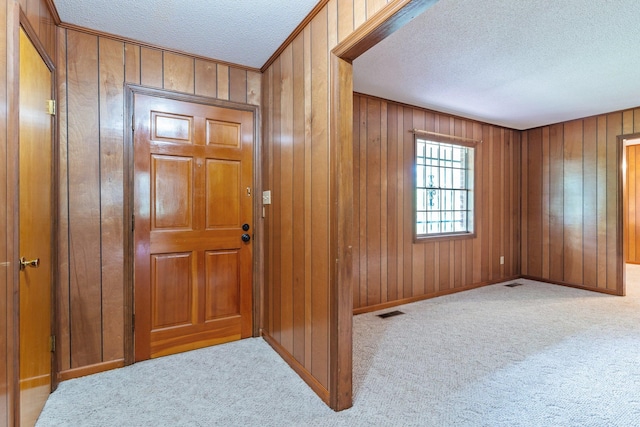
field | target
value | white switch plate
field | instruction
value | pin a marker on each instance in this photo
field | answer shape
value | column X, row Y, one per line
column 266, row 197
column 502, row 260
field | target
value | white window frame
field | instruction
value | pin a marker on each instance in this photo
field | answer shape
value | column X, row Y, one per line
column 425, row 190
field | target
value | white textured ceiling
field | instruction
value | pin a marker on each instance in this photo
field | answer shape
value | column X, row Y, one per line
column 245, row 32
column 516, row 63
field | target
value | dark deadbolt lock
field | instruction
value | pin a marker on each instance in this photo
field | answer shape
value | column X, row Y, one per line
column 245, row 237
column 245, row 227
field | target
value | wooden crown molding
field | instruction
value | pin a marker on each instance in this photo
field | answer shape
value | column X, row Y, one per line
column 86, row 30
column 54, row 11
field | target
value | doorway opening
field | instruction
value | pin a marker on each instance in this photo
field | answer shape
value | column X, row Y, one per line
column 631, row 213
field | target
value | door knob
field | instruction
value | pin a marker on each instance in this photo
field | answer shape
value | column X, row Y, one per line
column 245, row 227
column 245, row 237
column 35, row 263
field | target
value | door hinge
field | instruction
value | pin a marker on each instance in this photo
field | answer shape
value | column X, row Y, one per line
column 133, row 323
column 133, row 122
column 51, row 107
column 133, row 222
column 52, row 343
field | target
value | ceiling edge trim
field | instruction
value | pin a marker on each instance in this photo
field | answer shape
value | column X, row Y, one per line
column 321, row 4
column 54, row 11
column 152, row 46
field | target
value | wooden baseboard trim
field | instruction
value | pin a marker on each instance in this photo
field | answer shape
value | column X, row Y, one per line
column 571, row 285
column 89, row 370
column 318, row 388
column 396, row 303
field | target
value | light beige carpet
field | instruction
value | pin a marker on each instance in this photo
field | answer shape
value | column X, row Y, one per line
column 531, row 355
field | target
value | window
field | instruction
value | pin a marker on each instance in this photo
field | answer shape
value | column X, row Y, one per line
column 444, row 189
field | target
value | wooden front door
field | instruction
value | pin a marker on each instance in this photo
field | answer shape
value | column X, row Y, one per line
column 35, row 232
column 193, row 213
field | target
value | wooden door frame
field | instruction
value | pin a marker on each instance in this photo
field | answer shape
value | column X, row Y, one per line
column 131, row 90
column 389, row 19
column 621, row 249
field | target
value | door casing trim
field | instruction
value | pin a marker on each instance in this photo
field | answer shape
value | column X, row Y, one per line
column 131, row 90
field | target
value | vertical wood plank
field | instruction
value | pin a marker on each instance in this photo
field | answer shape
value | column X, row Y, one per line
column 151, row 67
column 111, row 196
column 320, row 197
column 359, row 12
column 206, row 78
column 238, row 85
column 392, row 202
column 276, row 199
column 357, row 222
column 384, row 255
column 418, row 262
column 590, row 204
column 308, row 206
column 223, row 81
column 400, row 200
column 345, row 18
column 253, row 88
column 556, row 202
column 614, row 129
column 573, row 202
column 534, row 208
column 364, row 253
column 407, row 179
column 476, row 133
column 63, row 295
column 132, row 63
column 373, row 185
column 373, row 6
column 286, row 197
column 545, row 200
column 84, row 200
column 601, row 140
column 178, row 73
column 298, row 230
column 524, row 214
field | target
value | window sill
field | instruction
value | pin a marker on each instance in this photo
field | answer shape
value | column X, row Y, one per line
column 441, row 237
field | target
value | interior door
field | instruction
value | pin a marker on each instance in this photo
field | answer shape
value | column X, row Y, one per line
column 193, row 213
column 35, row 240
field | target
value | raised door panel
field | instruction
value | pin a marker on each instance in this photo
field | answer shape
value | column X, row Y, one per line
column 220, row 133
column 222, row 278
column 171, row 199
column 223, row 193
column 171, row 290
column 171, row 128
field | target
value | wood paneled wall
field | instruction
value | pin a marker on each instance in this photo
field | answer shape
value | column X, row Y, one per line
column 632, row 211
column 570, row 201
column 40, row 22
column 389, row 268
column 297, row 167
column 92, row 73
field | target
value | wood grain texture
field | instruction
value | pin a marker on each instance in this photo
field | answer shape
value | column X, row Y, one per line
column 585, row 211
column 84, row 200
column 42, row 21
column 90, row 93
column 178, row 72
column 429, row 268
column 7, row 206
column 111, row 74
